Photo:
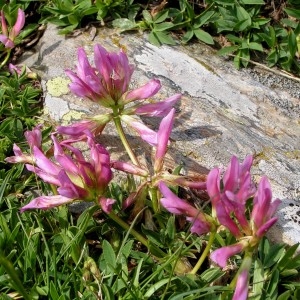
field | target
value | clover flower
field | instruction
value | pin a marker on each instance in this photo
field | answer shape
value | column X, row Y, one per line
column 201, row 223
column 75, row 177
column 229, row 195
column 108, row 84
column 7, row 37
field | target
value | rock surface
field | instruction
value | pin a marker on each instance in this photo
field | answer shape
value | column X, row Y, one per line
column 223, row 111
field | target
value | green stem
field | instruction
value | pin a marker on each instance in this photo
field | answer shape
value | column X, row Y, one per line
column 154, row 199
column 5, row 59
column 204, row 254
column 124, row 140
column 125, row 226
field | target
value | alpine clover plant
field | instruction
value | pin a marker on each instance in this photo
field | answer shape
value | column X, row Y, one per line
column 237, row 206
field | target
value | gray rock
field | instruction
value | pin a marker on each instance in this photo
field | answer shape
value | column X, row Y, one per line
column 223, row 111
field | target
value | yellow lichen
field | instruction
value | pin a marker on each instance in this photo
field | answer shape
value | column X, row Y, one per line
column 58, row 86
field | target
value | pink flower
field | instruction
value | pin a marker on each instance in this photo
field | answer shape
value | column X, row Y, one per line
column 263, row 209
column 7, row 37
column 221, row 255
column 129, row 168
column 163, row 136
column 34, row 139
column 158, row 109
column 175, row 205
column 108, row 82
column 94, row 125
column 75, row 177
column 147, row 134
column 146, row 91
column 229, row 196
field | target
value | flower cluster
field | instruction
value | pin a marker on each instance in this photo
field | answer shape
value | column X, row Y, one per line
column 75, row 177
column 108, row 85
column 228, row 196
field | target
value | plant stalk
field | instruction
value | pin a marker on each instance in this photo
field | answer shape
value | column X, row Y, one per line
column 204, row 254
column 124, row 140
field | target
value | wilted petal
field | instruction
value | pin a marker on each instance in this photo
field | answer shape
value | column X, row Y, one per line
column 159, row 109
column 146, row 91
column 220, row 256
column 106, row 204
column 46, row 202
column 241, row 288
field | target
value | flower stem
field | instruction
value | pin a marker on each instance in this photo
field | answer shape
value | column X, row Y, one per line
column 124, row 140
column 5, row 59
column 125, row 226
column 154, row 199
column 204, row 254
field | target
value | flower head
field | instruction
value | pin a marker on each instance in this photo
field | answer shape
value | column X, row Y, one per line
column 8, row 36
column 75, row 177
column 200, row 222
column 263, row 208
column 229, row 195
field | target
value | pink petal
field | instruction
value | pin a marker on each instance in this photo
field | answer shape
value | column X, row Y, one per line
column 213, row 185
column 46, row 202
column 146, row 91
column 106, row 204
column 147, row 134
column 241, row 288
column 158, row 109
column 128, row 168
column 18, row 25
column 8, row 43
column 220, row 256
column 164, row 133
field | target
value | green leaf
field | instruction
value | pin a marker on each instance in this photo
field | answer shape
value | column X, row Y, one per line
column 164, row 38
column 109, row 255
column 293, row 12
column 163, row 26
column 203, row 18
column 124, row 24
column 161, row 16
column 256, row 46
column 153, row 39
column 285, row 296
column 258, row 279
column 147, row 16
column 204, row 36
column 252, row 2
column 187, row 36
column 157, row 286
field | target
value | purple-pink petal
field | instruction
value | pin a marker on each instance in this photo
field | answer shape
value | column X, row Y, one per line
column 46, row 202
column 241, row 288
column 221, row 255
column 106, row 204
column 18, row 25
column 146, row 91
column 158, row 109
column 164, row 133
